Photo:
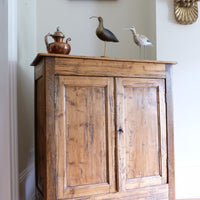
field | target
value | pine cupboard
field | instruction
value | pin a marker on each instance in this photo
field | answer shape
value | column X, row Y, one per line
column 103, row 129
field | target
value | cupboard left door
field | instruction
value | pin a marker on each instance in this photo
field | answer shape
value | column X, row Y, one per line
column 85, row 133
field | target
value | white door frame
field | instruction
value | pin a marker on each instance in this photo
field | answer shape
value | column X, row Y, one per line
column 8, row 101
column 12, row 65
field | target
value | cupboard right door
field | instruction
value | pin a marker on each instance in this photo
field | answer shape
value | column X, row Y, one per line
column 141, row 140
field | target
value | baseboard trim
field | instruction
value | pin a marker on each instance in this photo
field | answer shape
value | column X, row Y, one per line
column 187, row 199
column 24, row 174
column 24, row 180
column 33, row 197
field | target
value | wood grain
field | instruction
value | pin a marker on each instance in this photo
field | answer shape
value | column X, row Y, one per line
column 142, row 145
column 40, row 132
column 83, row 120
column 40, row 56
column 103, row 129
column 50, row 136
column 39, row 70
column 88, row 67
column 40, row 137
column 86, row 135
column 147, row 193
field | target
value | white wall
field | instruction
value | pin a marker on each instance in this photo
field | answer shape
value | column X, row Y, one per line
column 8, row 101
column 181, row 43
column 5, row 184
column 73, row 18
column 26, row 53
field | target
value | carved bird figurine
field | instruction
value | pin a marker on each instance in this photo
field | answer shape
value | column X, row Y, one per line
column 140, row 40
column 104, row 34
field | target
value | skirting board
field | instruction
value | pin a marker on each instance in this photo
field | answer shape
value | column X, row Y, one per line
column 33, row 197
column 26, row 183
column 25, row 173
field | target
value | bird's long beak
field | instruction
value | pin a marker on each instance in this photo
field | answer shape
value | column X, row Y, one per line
column 93, row 17
column 126, row 28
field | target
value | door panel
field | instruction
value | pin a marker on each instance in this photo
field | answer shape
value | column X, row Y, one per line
column 40, row 155
column 141, row 117
column 142, row 144
column 85, row 132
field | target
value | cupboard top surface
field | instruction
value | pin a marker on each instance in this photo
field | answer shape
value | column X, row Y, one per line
column 41, row 55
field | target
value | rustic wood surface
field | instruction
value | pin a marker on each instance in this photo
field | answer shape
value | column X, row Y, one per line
column 43, row 55
column 142, row 145
column 85, row 127
column 104, row 129
column 159, row 192
column 39, row 70
column 86, row 67
column 40, row 137
column 50, row 133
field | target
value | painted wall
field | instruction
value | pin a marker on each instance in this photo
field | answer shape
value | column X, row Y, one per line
column 26, row 53
column 5, row 185
column 73, row 18
column 181, row 43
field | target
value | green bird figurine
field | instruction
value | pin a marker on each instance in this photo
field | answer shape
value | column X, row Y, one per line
column 104, row 34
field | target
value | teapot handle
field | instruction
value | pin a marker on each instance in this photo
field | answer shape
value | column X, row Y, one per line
column 46, row 41
column 67, row 40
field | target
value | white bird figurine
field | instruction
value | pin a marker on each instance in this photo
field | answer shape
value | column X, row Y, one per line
column 140, row 40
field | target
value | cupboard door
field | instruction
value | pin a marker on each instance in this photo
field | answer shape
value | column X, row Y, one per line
column 85, row 131
column 141, row 124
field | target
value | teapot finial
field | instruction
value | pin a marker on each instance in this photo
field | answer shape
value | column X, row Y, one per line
column 58, row 29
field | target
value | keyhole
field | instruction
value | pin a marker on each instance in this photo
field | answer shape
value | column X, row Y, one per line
column 120, row 131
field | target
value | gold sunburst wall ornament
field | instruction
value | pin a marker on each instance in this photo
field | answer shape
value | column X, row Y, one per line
column 186, row 11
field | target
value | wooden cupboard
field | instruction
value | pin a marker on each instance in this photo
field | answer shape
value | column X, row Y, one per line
column 103, row 129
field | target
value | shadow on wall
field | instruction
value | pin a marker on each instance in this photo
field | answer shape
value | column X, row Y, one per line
column 26, row 133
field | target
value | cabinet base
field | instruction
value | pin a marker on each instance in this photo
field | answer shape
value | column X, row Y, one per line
column 149, row 193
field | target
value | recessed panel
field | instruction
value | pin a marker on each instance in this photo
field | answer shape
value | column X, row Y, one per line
column 40, row 158
column 142, row 132
column 86, row 146
column 85, row 130
column 142, row 144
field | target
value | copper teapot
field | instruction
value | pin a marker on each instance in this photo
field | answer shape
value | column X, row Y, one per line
column 58, row 46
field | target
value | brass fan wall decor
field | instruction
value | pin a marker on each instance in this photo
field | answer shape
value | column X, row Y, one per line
column 186, row 11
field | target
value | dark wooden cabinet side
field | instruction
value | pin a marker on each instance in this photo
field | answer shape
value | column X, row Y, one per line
column 40, row 132
column 45, row 141
column 40, row 136
column 150, row 76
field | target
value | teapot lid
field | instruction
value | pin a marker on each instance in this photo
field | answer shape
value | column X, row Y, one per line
column 58, row 33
